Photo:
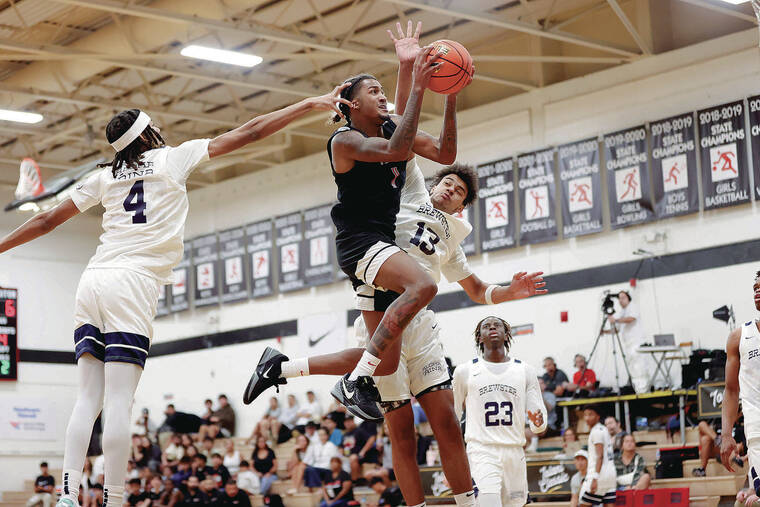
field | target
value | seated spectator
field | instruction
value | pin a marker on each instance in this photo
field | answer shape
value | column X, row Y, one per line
column 218, row 472
column 87, row 479
column 221, row 422
column 132, row 470
column 337, row 412
column 232, row 495
column 192, row 494
column 570, row 444
column 555, row 380
column 311, row 411
column 143, row 426
column 247, row 480
column 550, row 401
column 747, row 498
column 151, row 452
column 155, row 491
column 337, row 489
column 96, row 495
column 336, row 436
column 134, row 496
column 208, row 486
column 289, row 414
column 191, row 452
column 709, row 444
column 389, row 496
column 317, row 459
column 231, row 458
column 206, row 417
column 266, row 426
column 581, row 464
column 616, row 432
column 358, row 447
column 200, row 468
column 295, row 465
column 631, row 467
column 171, row 495
column 310, row 430
column 44, row 488
column 584, row 379
column 173, row 452
column 182, row 473
column 208, row 447
column 180, row 422
column 265, row 465
column 384, row 469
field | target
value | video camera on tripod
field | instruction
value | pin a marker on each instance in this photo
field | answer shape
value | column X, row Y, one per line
column 608, row 306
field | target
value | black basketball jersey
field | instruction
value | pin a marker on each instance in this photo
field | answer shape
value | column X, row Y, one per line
column 369, row 195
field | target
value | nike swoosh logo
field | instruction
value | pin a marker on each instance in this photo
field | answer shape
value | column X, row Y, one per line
column 314, row 341
column 475, row 374
column 349, row 394
column 470, row 493
column 435, row 326
column 266, row 372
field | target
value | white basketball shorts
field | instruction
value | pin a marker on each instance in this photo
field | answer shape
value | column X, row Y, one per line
column 499, row 470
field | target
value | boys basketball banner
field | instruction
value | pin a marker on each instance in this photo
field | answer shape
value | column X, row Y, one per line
column 182, row 285
column 319, row 246
column 8, row 334
column 232, row 252
column 754, row 136
column 627, row 162
column 496, row 196
column 259, row 236
column 581, row 188
column 289, row 234
column 206, row 261
column 538, row 219
column 674, row 166
column 723, row 153
column 162, row 308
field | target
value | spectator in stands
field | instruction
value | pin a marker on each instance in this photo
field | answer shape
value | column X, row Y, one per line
column 155, row 491
column 209, row 406
column 171, row 495
column 152, row 451
column 224, row 416
column 383, row 470
column 631, row 330
column 132, row 471
column 311, row 430
column 581, row 464
column 337, row 489
column 208, row 448
column 295, row 465
column 219, row 472
column 311, row 411
column 336, row 436
column 269, row 426
column 358, row 447
column 192, row 494
column 631, row 467
column 191, row 452
column 233, row 496
column 389, row 496
column 709, row 444
column 265, row 465
column 87, row 478
column 44, row 488
column 555, row 380
column 247, row 480
column 550, row 401
column 231, row 458
column 200, row 468
column 183, row 471
column 616, row 432
column 180, row 422
column 143, row 426
column 570, row 444
column 584, row 380
column 173, row 452
column 186, row 440
column 289, row 413
column 317, row 459
column 134, row 496
column 96, row 495
column 208, row 487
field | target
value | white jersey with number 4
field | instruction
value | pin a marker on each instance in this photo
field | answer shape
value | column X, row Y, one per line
column 495, row 397
column 600, row 435
column 145, row 210
column 749, row 379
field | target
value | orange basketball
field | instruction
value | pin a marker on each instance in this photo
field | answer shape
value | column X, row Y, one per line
column 456, row 66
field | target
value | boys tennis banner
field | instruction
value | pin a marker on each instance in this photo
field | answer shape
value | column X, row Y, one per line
column 538, row 218
column 674, row 166
column 259, row 239
column 627, row 161
column 581, row 188
column 232, row 253
column 496, row 196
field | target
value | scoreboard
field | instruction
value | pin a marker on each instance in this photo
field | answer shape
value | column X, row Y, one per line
column 8, row 336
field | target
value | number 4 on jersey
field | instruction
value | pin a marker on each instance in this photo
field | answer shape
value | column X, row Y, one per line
column 135, row 202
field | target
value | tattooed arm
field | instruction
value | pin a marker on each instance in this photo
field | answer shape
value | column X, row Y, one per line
column 444, row 149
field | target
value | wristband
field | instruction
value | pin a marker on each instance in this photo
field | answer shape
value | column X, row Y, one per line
column 489, row 291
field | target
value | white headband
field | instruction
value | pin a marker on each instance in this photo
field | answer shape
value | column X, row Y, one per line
column 142, row 121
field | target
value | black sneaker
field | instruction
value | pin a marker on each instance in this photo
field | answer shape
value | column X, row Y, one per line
column 359, row 396
column 266, row 375
column 698, row 472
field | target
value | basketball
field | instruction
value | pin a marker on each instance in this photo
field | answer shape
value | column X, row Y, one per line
column 451, row 76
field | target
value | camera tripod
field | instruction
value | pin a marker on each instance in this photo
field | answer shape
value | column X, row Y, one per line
column 616, row 343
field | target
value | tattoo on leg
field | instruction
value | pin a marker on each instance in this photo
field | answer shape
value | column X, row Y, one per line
column 396, row 318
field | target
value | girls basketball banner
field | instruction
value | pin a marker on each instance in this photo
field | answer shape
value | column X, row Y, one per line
column 259, row 235
column 496, row 196
column 206, row 262
column 723, row 153
column 538, row 218
column 319, row 246
column 162, row 308
column 581, row 188
column 627, row 162
column 232, row 253
column 182, row 285
column 754, row 136
column 674, row 166
column 289, row 235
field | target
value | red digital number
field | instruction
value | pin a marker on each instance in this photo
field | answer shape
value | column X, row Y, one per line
column 10, row 308
column 4, row 340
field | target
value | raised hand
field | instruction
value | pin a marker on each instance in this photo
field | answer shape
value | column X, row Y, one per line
column 525, row 285
column 424, row 68
column 537, row 418
column 331, row 101
column 407, row 46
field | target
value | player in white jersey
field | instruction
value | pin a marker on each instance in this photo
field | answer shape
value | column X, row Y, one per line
column 601, row 479
column 145, row 199
column 743, row 380
column 496, row 392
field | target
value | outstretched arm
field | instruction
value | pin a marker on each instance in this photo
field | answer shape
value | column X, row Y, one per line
column 39, row 224
column 730, row 408
column 523, row 285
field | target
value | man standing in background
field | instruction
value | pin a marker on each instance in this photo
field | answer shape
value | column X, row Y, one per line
column 632, row 335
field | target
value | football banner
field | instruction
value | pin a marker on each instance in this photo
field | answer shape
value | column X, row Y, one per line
column 674, row 166
column 259, row 236
column 182, row 285
column 162, row 308
column 496, row 195
column 723, row 154
column 8, row 334
column 581, row 188
column 627, row 162
column 319, row 246
column 288, row 237
column 754, row 136
column 232, row 253
column 206, row 262
column 538, row 218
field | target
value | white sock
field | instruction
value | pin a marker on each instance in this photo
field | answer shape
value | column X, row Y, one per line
column 467, row 498
column 113, row 496
column 295, row 368
column 70, row 485
column 365, row 367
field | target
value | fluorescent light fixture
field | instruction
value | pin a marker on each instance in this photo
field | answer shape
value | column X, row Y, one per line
column 735, row 2
column 20, row 116
column 221, row 56
column 391, row 106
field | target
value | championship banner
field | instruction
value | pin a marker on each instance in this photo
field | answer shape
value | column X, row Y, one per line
column 26, row 418
column 538, row 220
column 162, row 308
column 259, row 236
column 319, row 245
column 627, row 162
column 181, row 288
column 468, row 244
column 288, row 234
column 496, row 196
column 581, row 188
column 232, row 253
column 206, row 262
column 754, row 135
column 722, row 139
column 674, row 166
column 710, row 399
column 8, row 334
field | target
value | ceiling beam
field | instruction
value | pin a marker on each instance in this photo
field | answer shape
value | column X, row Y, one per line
column 640, row 42
column 722, row 10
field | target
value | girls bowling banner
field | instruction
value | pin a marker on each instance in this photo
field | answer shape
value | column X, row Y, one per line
column 319, row 245
column 723, row 153
column 259, row 245
column 627, row 161
column 754, row 136
column 232, row 253
column 496, row 196
column 674, row 166
column 206, row 262
column 538, row 219
column 180, row 288
column 289, row 234
column 581, row 188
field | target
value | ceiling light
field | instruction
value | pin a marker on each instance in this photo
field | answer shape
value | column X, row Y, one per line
column 221, row 56
column 20, row 116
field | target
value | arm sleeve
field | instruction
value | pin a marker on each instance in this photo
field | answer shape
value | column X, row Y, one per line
column 182, row 159
column 534, row 399
column 460, row 389
column 87, row 193
column 457, row 267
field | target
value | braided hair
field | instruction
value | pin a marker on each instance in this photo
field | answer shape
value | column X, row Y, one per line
column 348, row 94
column 507, row 328
column 131, row 156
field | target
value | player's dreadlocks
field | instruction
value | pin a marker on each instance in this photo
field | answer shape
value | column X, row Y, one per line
column 131, row 156
column 507, row 328
column 466, row 173
column 348, row 94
